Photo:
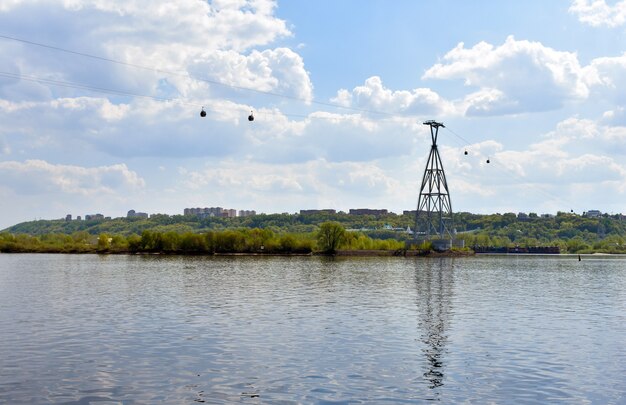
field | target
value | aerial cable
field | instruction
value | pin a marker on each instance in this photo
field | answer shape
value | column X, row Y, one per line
column 513, row 173
column 97, row 89
column 87, row 87
column 209, row 81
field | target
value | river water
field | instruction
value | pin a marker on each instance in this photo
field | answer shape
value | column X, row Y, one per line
column 88, row 329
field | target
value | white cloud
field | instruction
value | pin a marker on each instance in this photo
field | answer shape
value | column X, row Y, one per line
column 597, row 13
column 41, row 177
column 279, row 70
column 607, row 75
column 374, row 96
column 515, row 77
column 174, row 40
column 566, row 156
column 575, row 166
column 317, row 183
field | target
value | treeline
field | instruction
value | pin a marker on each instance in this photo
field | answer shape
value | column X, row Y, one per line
column 570, row 232
column 211, row 242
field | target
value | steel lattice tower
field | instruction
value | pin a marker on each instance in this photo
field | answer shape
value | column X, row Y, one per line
column 434, row 209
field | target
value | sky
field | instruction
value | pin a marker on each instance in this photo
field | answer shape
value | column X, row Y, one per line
column 100, row 105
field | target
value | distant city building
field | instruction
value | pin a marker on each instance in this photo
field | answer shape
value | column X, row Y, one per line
column 522, row 216
column 211, row 212
column 311, row 212
column 68, row 217
column 229, row 213
column 133, row 214
column 204, row 212
column 367, row 211
column 409, row 212
column 79, row 218
column 246, row 213
column 94, row 217
column 593, row 214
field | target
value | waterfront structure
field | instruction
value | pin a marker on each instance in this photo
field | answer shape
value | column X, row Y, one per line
column 434, row 207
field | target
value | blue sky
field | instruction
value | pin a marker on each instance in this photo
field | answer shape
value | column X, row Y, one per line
column 100, row 101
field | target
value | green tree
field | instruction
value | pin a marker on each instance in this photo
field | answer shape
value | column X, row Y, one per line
column 576, row 244
column 104, row 242
column 330, row 236
column 134, row 242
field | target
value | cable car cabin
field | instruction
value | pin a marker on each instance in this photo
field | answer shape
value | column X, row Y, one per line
column 487, row 160
column 203, row 113
column 251, row 116
column 465, row 153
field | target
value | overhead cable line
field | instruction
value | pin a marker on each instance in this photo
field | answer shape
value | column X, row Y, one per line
column 188, row 76
column 96, row 89
column 86, row 87
column 467, row 143
column 514, row 174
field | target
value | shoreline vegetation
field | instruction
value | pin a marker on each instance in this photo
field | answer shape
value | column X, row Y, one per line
column 331, row 239
column 318, row 233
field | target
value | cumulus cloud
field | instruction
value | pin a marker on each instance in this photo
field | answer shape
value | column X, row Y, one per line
column 597, row 13
column 374, row 96
column 615, row 120
column 173, row 40
column 515, row 77
column 312, row 184
column 607, row 75
column 576, row 150
column 41, row 177
column 273, row 70
column 577, row 166
column 156, row 129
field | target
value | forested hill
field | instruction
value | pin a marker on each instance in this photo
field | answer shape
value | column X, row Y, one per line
column 569, row 231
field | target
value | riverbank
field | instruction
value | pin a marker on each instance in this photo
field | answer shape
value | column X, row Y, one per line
column 403, row 253
column 339, row 253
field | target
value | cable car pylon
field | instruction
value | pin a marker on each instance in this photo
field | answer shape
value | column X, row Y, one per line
column 433, row 218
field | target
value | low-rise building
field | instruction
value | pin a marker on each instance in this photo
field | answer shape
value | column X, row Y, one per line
column 133, row 214
column 594, row 214
column 204, row 212
column 229, row 213
column 311, row 212
column 367, row 211
column 211, row 212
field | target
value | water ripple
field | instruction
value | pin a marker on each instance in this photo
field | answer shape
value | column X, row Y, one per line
column 143, row 330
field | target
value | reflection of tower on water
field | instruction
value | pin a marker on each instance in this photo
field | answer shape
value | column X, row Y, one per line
column 434, row 286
